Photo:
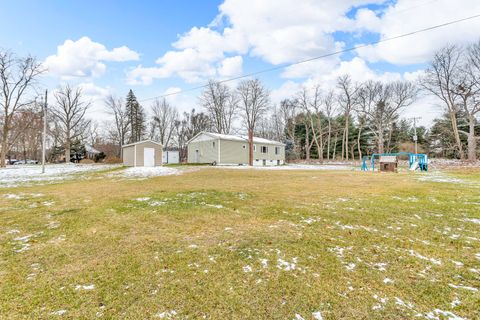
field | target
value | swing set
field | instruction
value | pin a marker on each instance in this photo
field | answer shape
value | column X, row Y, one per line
column 416, row 161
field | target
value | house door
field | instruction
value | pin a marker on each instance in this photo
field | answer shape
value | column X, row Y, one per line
column 197, row 157
column 149, row 157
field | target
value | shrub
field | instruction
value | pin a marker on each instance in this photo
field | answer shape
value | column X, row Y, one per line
column 112, row 159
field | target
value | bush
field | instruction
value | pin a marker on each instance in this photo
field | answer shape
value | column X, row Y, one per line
column 86, row 161
column 112, row 159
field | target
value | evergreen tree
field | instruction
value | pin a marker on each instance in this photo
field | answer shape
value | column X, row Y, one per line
column 136, row 118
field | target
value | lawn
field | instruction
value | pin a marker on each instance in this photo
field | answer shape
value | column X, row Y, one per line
column 215, row 243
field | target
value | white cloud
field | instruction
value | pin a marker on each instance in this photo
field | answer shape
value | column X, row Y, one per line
column 407, row 16
column 85, row 58
column 276, row 31
column 231, row 67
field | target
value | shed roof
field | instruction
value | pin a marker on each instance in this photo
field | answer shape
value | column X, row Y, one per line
column 236, row 138
column 140, row 142
column 388, row 159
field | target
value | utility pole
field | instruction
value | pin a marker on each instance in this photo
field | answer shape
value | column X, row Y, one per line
column 44, row 136
column 415, row 137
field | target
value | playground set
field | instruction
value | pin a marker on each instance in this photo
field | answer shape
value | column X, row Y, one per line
column 389, row 161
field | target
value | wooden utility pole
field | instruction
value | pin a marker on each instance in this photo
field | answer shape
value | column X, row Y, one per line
column 415, row 137
column 44, row 136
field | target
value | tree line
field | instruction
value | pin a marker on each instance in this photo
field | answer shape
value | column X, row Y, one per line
column 346, row 122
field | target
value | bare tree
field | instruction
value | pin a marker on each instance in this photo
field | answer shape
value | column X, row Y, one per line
column 190, row 125
column 254, row 101
column 347, row 101
column 468, row 88
column 26, row 133
column 69, row 112
column 381, row 104
column 312, row 104
column 330, row 109
column 221, row 105
column 119, row 132
column 440, row 80
column 17, row 79
column 163, row 122
column 288, row 113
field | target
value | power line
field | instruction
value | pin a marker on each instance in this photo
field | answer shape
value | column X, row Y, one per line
column 320, row 57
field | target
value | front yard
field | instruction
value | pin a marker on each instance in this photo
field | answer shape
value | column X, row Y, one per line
column 219, row 243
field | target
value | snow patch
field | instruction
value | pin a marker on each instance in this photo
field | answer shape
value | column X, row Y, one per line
column 27, row 174
column 166, row 314
column 145, row 172
column 85, row 287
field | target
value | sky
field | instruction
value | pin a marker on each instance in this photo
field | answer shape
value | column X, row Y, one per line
column 160, row 47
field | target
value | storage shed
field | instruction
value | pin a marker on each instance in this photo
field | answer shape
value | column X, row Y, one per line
column 223, row 149
column 145, row 153
column 388, row 163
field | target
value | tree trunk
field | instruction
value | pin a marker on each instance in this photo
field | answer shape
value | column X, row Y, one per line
column 472, row 142
column 67, row 150
column 250, row 147
column 358, row 143
column 346, row 136
column 458, row 142
column 380, row 141
column 335, row 146
column 329, row 139
column 3, row 153
column 307, row 144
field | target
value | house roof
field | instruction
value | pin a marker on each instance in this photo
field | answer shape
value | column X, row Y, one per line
column 140, row 142
column 236, row 138
column 90, row 149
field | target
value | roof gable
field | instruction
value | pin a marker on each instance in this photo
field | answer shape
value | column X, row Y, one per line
column 207, row 136
column 140, row 142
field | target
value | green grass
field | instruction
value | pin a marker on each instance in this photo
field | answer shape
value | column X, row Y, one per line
column 242, row 244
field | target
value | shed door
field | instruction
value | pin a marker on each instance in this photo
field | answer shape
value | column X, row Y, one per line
column 149, row 157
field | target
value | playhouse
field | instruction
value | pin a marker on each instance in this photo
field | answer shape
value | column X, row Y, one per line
column 389, row 161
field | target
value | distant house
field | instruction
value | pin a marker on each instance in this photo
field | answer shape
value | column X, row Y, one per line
column 91, row 152
column 146, row 153
column 207, row 147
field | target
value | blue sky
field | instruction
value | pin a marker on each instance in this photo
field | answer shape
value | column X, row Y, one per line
column 156, row 47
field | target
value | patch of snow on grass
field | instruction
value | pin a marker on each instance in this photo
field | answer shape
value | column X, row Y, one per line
column 85, row 287
column 432, row 260
column 317, row 315
column 145, row 172
column 473, row 220
column 27, row 174
column 58, row 312
column 463, row 287
column 218, row 206
column 142, row 199
column 292, row 167
column 434, row 315
column 285, row 265
column 166, row 314
column 247, row 268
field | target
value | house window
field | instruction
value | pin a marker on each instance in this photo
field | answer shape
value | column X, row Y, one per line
column 277, row 150
column 264, row 149
column 255, row 147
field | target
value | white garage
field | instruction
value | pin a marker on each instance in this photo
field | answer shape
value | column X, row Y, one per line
column 145, row 153
column 171, row 156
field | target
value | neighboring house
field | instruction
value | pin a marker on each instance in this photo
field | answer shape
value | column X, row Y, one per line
column 146, row 153
column 91, row 152
column 171, row 156
column 207, row 147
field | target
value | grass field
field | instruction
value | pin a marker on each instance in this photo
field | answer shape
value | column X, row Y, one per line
column 243, row 244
